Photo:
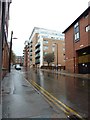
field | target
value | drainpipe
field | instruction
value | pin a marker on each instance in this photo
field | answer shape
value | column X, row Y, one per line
column 10, row 52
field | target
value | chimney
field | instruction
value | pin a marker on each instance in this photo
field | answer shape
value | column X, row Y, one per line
column 89, row 4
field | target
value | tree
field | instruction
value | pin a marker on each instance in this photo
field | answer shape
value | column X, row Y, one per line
column 49, row 57
column 13, row 57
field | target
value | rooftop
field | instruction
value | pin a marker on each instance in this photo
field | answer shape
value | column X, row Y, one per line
column 83, row 14
column 46, row 32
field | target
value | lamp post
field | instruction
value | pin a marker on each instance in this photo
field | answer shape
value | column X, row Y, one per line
column 57, row 55
column 10, row 51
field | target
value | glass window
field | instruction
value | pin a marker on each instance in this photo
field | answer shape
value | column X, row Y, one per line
column 78, row 35
column 76, row 32
column 45, row 47
column 76, row 29
column 45, row 41
column 87, row 28
column 76, row 25
column 75, row 37
column 86, row 15
column 45, row 53
column 53, row 48
column 63, row 49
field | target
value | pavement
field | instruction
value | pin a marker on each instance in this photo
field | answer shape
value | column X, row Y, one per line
column 63, row 72
column 0, row 111
column 0, row 102
column 21, row 100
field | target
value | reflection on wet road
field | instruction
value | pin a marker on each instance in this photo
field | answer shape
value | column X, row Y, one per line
column 71, row 91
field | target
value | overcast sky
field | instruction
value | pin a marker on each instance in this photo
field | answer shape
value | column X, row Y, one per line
column 49, row 14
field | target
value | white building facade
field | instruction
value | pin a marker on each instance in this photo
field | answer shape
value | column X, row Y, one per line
column 41, row 42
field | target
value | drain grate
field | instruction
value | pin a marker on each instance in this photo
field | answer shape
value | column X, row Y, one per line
column 25, row 85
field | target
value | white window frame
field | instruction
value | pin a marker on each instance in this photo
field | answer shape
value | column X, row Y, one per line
column 45, row 47
column 87, row 28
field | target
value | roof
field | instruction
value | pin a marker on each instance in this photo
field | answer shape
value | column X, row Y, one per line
column 46, row 32
column 84, row 13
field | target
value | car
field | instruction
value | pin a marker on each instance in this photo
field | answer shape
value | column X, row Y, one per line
column 17, row 67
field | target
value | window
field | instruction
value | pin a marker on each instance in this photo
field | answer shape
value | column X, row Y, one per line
column 76, row 32
column 87, row 28
column 63, row 49
column 53, row 48
column 76, row 25
column 38, row 37
column 76, row 36
column 45, row 41
column 86, row 15
column 45, row 53
column 45, row 47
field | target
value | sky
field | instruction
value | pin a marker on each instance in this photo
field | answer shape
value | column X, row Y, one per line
column 49, row 14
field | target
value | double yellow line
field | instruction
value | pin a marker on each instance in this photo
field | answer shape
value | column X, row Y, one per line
column 67, row 110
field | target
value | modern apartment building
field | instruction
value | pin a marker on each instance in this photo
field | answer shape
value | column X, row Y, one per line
column 77, row 44
column 43, row 41
column 26, row 56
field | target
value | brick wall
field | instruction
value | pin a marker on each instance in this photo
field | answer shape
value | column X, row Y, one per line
column 71, row 47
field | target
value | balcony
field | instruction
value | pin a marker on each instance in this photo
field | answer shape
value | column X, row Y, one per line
column 37, row 55
column 30, row 50
column 37, row 50
column 30, row 54
column 30, row 59
column 37, row 61
column 37, row 45
column 30, row 45
column 30, row 42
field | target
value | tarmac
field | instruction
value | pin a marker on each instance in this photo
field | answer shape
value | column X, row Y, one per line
column 63, row 72
column 21, row 100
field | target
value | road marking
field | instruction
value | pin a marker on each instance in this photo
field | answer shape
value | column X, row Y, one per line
column 65, row 106
column 67, row 110
column 49, row 98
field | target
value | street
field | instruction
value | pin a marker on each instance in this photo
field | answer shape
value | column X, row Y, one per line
column 44, row 59
column 71, row 91
column 21, row 100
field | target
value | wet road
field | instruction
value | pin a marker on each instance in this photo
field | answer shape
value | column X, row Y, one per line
column 69, row 90
column 21, row 100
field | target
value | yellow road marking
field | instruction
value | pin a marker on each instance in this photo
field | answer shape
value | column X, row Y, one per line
column 51, row 99
column 64, row 107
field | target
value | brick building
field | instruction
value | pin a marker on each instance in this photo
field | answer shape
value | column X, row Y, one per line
column 77, row 44
column 4, row 48
column 19, row 60
column 26, row 55
column 43, row 41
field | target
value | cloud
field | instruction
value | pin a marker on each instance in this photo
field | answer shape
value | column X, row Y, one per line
column 49, row 14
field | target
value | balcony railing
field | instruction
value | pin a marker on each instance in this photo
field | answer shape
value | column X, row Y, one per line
column 37, row 50
column 30, row 50
column 30, row 54
column 30, row 59
column 37, row 55
column 37, row 45
column 31, row 45
column 37, row 61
